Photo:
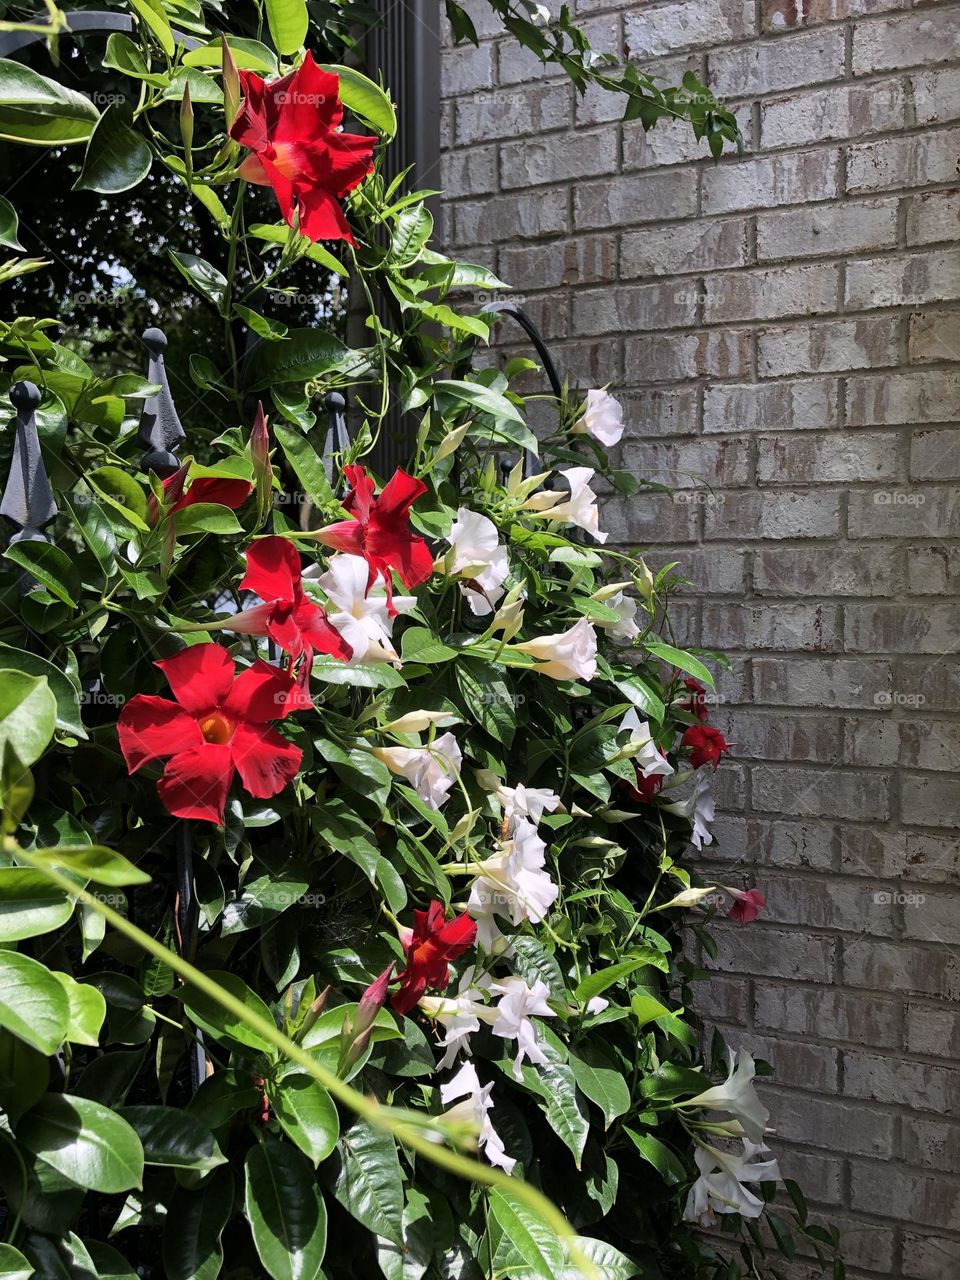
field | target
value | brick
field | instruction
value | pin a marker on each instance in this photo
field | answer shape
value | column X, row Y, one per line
column 657, row 516
column 934, row 335
column 816, row 1122
column 891, row 398
column 585, row 260
column 839, row 793
column 930, row 684
column 671, row 142
column 936, row 95
column 781, row 15
column 828, row 682
column 899, row 1080
column 825, row 115
column 933, row 570
column 869, row 1245
column 635, row 198
column 757, row 734
column 931, row 744
column 485, row 21
column 845, row 571
column 903, row 281
column 930, row 1257
column 469, row 173
column 632, row 307
column 809, row 403
column 934, row 919
column 828, row 1015
column 871, row 740
column 769, row 293
column 829, row 346
column 933, row 1032
column 888, row 966
column 836, row 458
column 807, row 1066
column 791, row 844
column 528, row 213
column 897, row 1193
column 932, row 217
column 716, row 571
column 688, row 465
column 928, row 801
column 911, row 856
column 810, row 628
column 466, row 68
column 518, row 65
column 925, row 511
column 684, row 247
column 762, row 183
column 904, row 162
column 907, row 40
column 771, row 516
column 885, row 628
column 726, row 998
column 935, row 455
column 708, row 354
column 658, row 411
column 494, row 115
column 827, row 230
column 686, row 24
column 788, row 63
column 536, row 161
column 776, row 953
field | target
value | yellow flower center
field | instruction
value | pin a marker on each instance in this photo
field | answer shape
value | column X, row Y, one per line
column 216, row 728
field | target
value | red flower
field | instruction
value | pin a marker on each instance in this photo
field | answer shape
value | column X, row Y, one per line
column 646, row 788
column 223, row 492
column 288, row 616
column 291, row 127
column 431, row 944
column 380, row 529
column 217, row 726
column 746, row 904
column 697, row 705
column 706, row 745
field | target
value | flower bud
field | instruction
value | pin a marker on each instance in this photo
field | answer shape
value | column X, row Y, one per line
column 260, row 457
column 691, row 897
column 417, row 721
column 231, row 84
column 451, row 442
column 644, row 580
column 355, row 1035
column 186, row 130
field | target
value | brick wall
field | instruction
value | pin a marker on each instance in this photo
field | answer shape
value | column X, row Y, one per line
column 785, row 330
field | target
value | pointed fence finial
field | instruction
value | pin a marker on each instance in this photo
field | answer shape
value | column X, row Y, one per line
column 160, row 428
column 337, row 437
column 27, row 499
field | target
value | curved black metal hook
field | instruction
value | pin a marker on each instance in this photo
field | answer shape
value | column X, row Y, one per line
column 536, row 337
column 79, row 22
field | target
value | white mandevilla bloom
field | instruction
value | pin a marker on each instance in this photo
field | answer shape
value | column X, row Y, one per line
column 361, row 619
column 478, row 555
column 460, row 1015
column 580, row 508
column 643, row 749
column 720, row 1187
column 737, row 1096
column 431, row 770
column 625, row 628
column 602, row 418
column 568, row 655
column 475, row 1109
column 698, row 809
column 513, row 884
column 515, row 1011
column 527, row 802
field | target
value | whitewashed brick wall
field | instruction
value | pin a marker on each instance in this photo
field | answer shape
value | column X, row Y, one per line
column 786, row 330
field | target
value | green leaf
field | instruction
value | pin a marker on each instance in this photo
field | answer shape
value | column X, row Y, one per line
column 33, row 1004
column 285, row 1210
column 279, row 233
column 413, row 229
column 419, row 644
column 370, row 1184
column 488, row 698
column 205, row 278
column 122, row 493
column 93, row 862
column 36, row 110
column 151, row 13
column 642, row 696
column 537, row 1243
column 117, row 156
column 366, row 100
column 195, row 1222
column 110, row 1264
column 207, row 517
column 599, row 1080
column 13, row 1265
column 473, row 395
column 679, row 658
column 666, row 1162
column 288, row 21
column 306, row 354
column 249, row 55
column 596, row 983
column 16, row 789
column 28, row 714
column 87, row 1010
column 272, row 330
column 123, row 55
column 29, row 904
column 173, row 1138
column 88, row 1143
column 208, row 1014
column 51, row 567
column 63, row 689
column 307, row 1114
column 8, row 228
column 307, row 464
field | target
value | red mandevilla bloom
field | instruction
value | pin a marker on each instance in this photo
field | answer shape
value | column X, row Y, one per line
column 291, row 128
column 746, row 904
column 431, row 944
column 288, row 616
column 379, row 530
column 218, row 726
column 646, row 788
column 697, row 705
column 706, row 745
column 217, row 489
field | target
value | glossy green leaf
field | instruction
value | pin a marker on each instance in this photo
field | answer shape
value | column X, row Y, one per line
column 65, row 692
column 370, row 1184
column 28, row 714
column 305, row 354
column 537, row 1244
column 249, row 55
column 30, row 905
column 279, row 233
column 37, row 110
column 122, row 494
column 94, row 862
column 87, row 1009
column 473, row 395
column 174, row 1138
column 50, row 566
column 288, row 21
column 13, row 1265
column 33, row 1004
column 666, row 1162
column 8, row 226
column 306, row 463
column 117, row 156
column 205, row 278
column 680, row 658
column 86, row 1142
column 152, row 14
column 307, row 1114
column 207, row 517
column 109, row 1262
column 366, row 100
column 191, row 1247
column 285, row 1210
column 599, row 1080
column 596, row 983
column 210, row 1017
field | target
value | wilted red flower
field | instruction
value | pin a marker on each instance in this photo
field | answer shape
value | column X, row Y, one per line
column 746, row 904
column 291, row 127
column 706, row 745
column 431, row 944
column 288, row 616
column 217, row 726
column 379, row 530
column 697, row 705
column 216, row 489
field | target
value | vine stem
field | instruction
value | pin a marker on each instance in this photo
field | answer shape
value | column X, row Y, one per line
column 406, row 1126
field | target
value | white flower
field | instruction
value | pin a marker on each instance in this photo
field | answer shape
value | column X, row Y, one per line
column 460, row 1015
column 626, row 628
column 527, row 802
column 431, row 771
column 568, row 655
column 703, row 811
column 738, row 1096
column 514, row 1014
column 645, row 753
column 475, row 1108
column 597, row 1004
column 361, row 619
column 579, row 509
column 720, row 1187
column 478, row 556
column 513, row 884
column 602, row 418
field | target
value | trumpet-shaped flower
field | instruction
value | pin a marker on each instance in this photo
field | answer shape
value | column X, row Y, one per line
column 475, row 1109
column 527, row 802
column 602, row 418
column 363, row 616
column 478, row 556
column 460, row 1015
column 649, row 761
column 625, row 628
column 580, row 508
column 567, row 655
column 515, row 1010
column 513, row 884
column 746, row 904
column 737, row 1096
column 721, row 1187
column 430, row 946
column 706, row 744
column 431, row 770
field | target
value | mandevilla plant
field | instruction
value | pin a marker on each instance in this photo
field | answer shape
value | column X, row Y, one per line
column 343, row 895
